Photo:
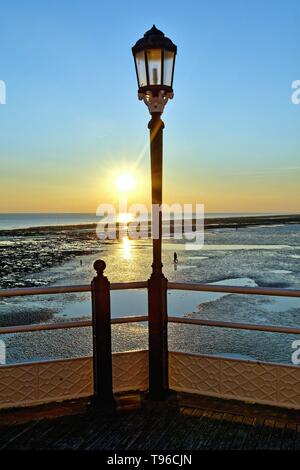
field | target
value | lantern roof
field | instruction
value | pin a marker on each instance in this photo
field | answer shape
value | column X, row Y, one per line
column 154, row 39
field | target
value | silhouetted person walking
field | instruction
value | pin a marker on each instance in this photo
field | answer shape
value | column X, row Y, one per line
column 175, row 257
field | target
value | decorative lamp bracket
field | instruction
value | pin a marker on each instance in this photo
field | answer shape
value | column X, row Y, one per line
column 157, row 102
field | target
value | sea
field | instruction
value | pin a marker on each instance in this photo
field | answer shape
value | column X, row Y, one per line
column 10, row 221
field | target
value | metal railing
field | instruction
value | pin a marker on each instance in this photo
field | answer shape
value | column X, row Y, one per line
column 29, row 291
column 266, row 291
column 235, row 290
column 276, row 292
column 68, row 289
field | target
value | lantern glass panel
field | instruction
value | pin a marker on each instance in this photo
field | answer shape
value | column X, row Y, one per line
column 141, row 68
column 168, row 67
column 154, row 66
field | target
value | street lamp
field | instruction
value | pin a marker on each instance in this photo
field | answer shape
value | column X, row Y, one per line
column 154, row 57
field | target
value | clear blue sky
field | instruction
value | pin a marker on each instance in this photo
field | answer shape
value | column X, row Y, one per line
column 232, row 133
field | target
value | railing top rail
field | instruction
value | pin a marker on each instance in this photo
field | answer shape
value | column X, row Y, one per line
column 129, row 285
column 19, row 292
column 235, row 290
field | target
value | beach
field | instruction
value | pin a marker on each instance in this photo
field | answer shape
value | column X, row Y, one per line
column 264, row 251
column 27, row 251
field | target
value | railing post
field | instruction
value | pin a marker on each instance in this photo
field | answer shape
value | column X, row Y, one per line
column 102, row 354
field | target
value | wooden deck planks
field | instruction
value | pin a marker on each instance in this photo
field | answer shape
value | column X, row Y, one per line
column 158, row 426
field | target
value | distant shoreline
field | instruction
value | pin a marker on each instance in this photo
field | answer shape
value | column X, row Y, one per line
column 209, row 223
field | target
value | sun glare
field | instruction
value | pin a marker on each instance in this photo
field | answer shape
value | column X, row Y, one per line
column 126, row 244
column 125, row 182
column 124, row 218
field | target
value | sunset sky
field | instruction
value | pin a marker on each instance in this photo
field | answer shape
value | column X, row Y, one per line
column 73, row 123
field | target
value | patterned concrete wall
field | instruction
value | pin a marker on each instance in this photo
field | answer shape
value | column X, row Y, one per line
column 272, row 384
column 255, row 382
column 36, row 383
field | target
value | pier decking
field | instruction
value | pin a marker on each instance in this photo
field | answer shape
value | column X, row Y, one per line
column 160, row 426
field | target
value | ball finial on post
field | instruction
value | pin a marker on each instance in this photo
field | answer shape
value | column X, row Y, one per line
column 99, row 266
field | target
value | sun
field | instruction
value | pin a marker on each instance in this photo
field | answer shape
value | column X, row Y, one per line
column 125, row 182
column 125, row 218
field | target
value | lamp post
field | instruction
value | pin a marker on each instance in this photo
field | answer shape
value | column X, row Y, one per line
column 154, row 57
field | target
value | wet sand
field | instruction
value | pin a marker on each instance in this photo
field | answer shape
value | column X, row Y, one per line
column 25, row 252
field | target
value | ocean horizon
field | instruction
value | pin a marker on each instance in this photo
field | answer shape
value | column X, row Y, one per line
column 22, row 220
